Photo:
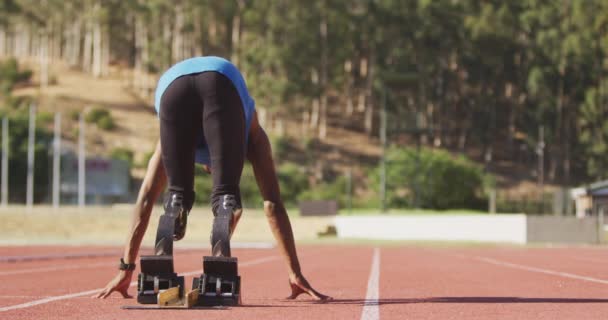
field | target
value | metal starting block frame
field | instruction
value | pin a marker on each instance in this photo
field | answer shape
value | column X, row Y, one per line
column 220, row 284
column 157, row 276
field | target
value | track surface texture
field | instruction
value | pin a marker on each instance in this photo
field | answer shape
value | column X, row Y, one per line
column 386, row 282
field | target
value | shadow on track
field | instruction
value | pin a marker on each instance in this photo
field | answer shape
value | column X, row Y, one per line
column 389, row 301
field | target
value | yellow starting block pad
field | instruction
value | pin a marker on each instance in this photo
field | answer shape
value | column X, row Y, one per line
column 170, row 299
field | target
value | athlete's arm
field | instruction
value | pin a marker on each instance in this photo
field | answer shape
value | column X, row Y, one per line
column 152, row 186
column 260, row 155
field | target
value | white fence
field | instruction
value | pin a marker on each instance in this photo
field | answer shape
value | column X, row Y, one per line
column 510, row 228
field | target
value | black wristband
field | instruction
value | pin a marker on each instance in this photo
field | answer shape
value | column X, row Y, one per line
column 126, row 266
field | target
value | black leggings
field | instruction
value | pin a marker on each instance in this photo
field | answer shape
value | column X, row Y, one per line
column 203, row 104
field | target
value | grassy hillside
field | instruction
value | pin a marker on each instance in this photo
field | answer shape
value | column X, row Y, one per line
column 346, row 146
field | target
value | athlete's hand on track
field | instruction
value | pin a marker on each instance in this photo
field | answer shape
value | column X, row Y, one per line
column 120, row 284
column 299, row 285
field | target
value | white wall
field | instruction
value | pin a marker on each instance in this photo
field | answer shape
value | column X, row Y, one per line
column 487, row 228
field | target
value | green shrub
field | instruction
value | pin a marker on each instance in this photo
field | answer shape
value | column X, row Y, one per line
column 202, row 187
column 74, row 115
column 250, row 193
column 309, row 143
column 106, row 123
column 122, row 154
column 96, row 114
column 101, row 117
column 334, row 190
column 432, row 179
column 10, row 75
column 293, row 181
column 44, row 118
column 280, row 146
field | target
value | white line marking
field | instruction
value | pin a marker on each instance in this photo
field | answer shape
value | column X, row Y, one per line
column 58, row 268
column 94, row 291
column 540, row 270
column 58, row 256
column 50, row 299
column 23, row 297
column 371, row 310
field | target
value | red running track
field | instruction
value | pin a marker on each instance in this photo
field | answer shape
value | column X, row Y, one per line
column 408, row 282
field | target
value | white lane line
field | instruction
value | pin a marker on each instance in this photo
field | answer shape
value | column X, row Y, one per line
column 57, row 268
column 24, row 297
column 50, row 299
column 94, row 291
column 371, row 309
column 540, row 270
column 58, row 256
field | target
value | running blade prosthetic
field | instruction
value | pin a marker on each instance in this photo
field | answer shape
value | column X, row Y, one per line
column 220, row 283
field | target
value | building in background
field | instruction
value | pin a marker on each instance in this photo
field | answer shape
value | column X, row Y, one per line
column 107, row 180
column 591, row 200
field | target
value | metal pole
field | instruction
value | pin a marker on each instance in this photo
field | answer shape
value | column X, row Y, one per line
column 349, row 189
column 81, row 163
column 57, row 160
column 541, row 165
column 492, row 201
column 600, row 224
column 383, row 158
column 30, row 158
column 5, row 151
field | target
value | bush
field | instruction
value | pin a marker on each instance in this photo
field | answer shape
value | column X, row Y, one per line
column 334, row 190
column 280, row 146
column 202, row 187
column 74, row 115
column 250, row 195
column 101, row 117
column 293, row 181
column 10, row 75
column 434, row 179
column 45, row 118
column 122, row 154
column 96, row 114
column 106, row 123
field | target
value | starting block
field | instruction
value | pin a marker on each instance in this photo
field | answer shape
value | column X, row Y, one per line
column 220, row 284
column 157, row 276
column 171, row 299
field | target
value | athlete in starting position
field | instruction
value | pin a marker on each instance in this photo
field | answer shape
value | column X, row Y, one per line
column 207, row 116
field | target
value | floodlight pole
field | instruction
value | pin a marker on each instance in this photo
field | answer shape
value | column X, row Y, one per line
column 81, row 164
column 540, row 150
column 57, row 161
column 349, row 189
column 383, row 157
column 30, row 158
column 5, row 151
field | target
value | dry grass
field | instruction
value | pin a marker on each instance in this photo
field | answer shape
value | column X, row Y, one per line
column 109, row 226
column 137, row 124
